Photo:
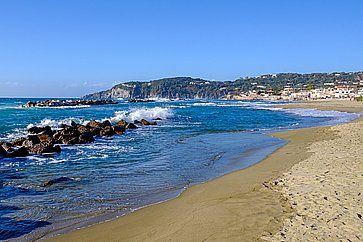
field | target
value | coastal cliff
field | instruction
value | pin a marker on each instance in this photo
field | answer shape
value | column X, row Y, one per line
column 190, row 88
column 178, row 87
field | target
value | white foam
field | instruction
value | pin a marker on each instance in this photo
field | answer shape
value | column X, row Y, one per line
column 338, row 117
column 140, row 113
column 56, row 123
column 160, row 99
column 204, row 104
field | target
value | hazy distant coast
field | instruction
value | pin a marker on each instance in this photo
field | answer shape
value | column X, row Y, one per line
column 283, row 86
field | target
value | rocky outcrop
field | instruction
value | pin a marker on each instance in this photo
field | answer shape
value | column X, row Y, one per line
column 67, row 103
column 44, row 140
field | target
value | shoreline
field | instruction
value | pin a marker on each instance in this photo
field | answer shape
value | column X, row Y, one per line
column 210, row 211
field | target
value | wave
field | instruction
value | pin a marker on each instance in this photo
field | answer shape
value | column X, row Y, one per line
column 140, row 113
column 204, row 104
column 336, row 116
column 57, row 123
column 160, row 99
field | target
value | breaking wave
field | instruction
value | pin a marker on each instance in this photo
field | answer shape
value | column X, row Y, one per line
column 56, row 123
column 140, row 113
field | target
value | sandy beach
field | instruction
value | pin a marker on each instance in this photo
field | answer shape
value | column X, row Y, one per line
column 308, row 190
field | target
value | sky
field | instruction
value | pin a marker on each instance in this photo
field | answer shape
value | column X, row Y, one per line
column 68, row 48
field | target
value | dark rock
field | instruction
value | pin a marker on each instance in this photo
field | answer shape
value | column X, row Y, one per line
column 64, row 126
column 107, row 131
column 83, row 129
column 68, row 135
column 45, row 138
column 44, row 147
column 18, row 142
column 44, row 130
column 94, row 124
column 106, row 123
column 70, row 140
column 31, row 141
column 158, row 119
column 21, row 152
column 122, row 123
column 119, row 129
column 137, row 122
column 73, row 124
column 7, row 146
column 95, row 131
column 2, row 151
column 34, row 130
column 57, row 180
column 60, row 103
column 86, row 137
column 131, row 126
column 145, row 122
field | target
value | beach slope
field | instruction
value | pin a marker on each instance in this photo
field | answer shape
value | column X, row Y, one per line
column 255, row 203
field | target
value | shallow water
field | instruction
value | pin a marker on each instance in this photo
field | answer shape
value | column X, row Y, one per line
column 195, row 142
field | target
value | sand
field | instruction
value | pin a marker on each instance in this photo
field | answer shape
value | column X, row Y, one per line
column 306, row 190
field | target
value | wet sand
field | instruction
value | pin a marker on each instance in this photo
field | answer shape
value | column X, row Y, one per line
column 259, row 202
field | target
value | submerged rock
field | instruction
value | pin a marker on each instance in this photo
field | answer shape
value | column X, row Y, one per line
column 107, row 131
column 131, row 126
column 145, row 122
column 44, row 148
column 137, row 122
column 2, row 151
column 86, row 137
column 21, row 152
column 119, row 129
column 62, row 179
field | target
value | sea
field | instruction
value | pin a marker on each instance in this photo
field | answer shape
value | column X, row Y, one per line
column 196, row 141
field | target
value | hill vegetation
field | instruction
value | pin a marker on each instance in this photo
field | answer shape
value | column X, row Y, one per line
column 187, row 87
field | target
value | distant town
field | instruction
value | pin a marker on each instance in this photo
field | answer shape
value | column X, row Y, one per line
column 342, row 89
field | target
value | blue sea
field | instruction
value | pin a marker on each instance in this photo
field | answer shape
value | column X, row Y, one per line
column 196, row 140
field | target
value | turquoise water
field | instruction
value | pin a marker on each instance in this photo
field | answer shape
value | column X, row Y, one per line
column 195, row 142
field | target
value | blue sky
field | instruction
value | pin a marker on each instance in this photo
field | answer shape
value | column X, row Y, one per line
column 70, row 48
